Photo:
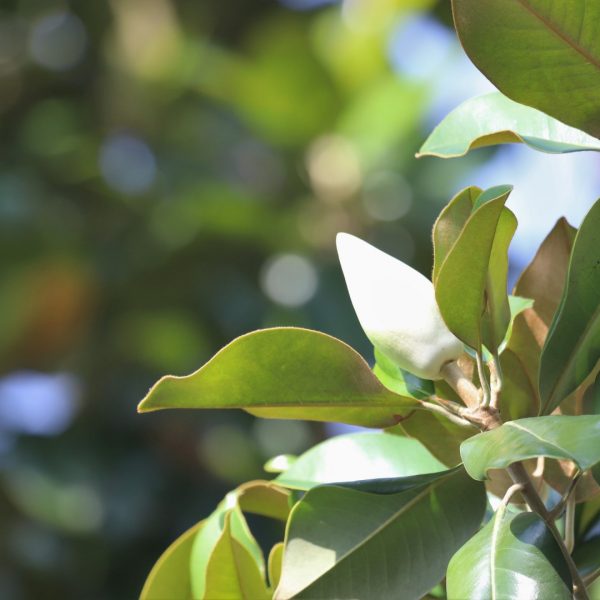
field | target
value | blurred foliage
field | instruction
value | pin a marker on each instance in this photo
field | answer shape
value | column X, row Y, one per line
column 172, row 175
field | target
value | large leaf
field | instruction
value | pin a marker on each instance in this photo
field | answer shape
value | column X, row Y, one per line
column 560, row 437
column 285, row 373
column 170, row 576
column 400, row 381
column 495, row 119
column 357, row 456
column 572, row 347
column 541, row 53
column 379, row 539
column 471, row 284
column 511, row 557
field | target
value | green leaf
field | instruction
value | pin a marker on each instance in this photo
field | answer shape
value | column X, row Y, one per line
column 379, row 539
column 285, row 373
column 495, row 119
column 471, row 284
column 264, row 498
column 587, row 556
column 275, row 562
column 232, row 571
column 511, row 557
column 520, row 397
column 539, row 53
column 572, row 347
column 400, row 381
column 227, row 521
column 560, row 437
column 449, row 225
column 439, row 435
column 357, row 456
column 170, row 576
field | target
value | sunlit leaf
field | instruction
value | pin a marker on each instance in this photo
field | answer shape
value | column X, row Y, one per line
column 285, row 373
column 170, row 576
column 471, row 283
column 357, row 456
column 539, row 53
column 360, row 540
column 495, row 119
column 511, row 557
column 561, row 437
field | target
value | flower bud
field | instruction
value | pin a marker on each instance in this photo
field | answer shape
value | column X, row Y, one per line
column 396, row 308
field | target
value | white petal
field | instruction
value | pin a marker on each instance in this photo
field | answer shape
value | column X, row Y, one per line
column 397, row 309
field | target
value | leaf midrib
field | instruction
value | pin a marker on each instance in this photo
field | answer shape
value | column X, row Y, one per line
column 561, row 35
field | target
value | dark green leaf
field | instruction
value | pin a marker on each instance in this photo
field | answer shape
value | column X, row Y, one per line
column 495, row 119
column 170, row 576
column 572, row 347
column 511, row 557
column 560, row 437
column 587, row 556
column 349, row 542
column 471, row 284
column 359, row 456
column 539, row 53
column 285, row 373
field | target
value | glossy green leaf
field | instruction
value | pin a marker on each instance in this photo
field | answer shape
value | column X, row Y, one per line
column 539, row 53
column 170, row 576
column 572, row 348
column 560, row 437
column 285, row 373
column 495, row 119
column 357, row 456
column 379, row 539
column 232, row 571
column 511, row 557
column 471, row 284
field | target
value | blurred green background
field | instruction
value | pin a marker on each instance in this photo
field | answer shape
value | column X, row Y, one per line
column 172, row 175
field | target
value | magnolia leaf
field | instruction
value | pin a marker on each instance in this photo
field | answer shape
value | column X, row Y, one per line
column 520, row 397
column 471, row 284
column 400, row 381
column 360, row 540
column 511, row 557
column 449, row 225
column 275, row 563
column 561, row 437
column 170, row 576
column 286, row 373
column 572, row 348
column 495, row 119
column 357, row 456
column 264, row 498
column 539, row 53
column 231, row 571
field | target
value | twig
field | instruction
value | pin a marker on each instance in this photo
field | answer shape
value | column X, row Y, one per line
column 519, row 475
column 497, row 380
column 442, row 411
column 483, row 380
column 461, row 384
column 570, row 525
column 558, row 509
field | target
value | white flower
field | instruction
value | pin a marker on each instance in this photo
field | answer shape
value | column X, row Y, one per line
column 397, row 309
